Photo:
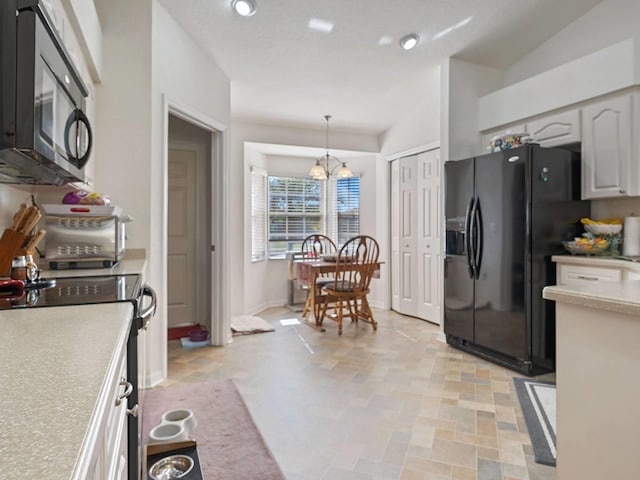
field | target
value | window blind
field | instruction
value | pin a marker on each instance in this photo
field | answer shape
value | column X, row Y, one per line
column 258, row 214
column 344, row 218
column 296, row 210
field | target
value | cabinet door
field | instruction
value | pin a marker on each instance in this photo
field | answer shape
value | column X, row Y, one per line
column 606, row 148
column 557, row 129
column 408, row 272
column 395, row 235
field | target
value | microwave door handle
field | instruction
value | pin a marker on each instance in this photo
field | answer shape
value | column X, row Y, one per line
column 77, row 117
column 150, row 311
column 82, row 118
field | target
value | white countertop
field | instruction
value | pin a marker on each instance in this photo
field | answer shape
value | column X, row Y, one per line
column 611, row 296
column 54, row 363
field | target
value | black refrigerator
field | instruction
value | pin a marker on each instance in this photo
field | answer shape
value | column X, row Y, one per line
column 506, row 214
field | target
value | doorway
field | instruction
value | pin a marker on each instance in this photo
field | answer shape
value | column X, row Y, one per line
column 415, row 235
column 189, row 194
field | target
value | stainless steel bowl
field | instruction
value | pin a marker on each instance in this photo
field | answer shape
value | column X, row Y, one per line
column 175, row 466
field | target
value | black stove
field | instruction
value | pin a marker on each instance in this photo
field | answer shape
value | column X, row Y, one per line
column 62, row 291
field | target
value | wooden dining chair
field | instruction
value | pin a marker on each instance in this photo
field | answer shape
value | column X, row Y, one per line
column 315, row 247
column 356, row 264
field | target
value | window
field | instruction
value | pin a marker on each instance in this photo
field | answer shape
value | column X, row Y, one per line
column 345, row 209
column 298, row 207
column 348, row 209
column 258, row 214
column 296, row 210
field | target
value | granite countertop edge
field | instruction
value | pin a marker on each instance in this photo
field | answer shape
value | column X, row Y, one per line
column 612, row 297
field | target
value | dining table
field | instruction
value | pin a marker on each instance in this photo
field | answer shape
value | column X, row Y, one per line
column 308, row 270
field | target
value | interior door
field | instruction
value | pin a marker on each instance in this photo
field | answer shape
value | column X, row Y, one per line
column 181, row 260
column 428, row 242
column 408, row 233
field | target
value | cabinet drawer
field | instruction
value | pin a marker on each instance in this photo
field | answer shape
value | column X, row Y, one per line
column 577, row 274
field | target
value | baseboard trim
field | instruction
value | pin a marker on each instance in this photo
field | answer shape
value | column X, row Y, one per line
column 153, row 379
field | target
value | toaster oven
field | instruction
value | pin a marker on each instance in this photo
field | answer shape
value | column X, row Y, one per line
column 84, row 236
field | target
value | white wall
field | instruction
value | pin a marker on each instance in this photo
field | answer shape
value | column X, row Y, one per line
column 462, row 83
column 148, row 58
column 419, row 127
column 609, row 22
column 187, row 79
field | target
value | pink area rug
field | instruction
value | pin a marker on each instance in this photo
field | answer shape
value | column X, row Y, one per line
column 230, row 446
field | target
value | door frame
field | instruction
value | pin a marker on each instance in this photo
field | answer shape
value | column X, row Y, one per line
column 219, row 220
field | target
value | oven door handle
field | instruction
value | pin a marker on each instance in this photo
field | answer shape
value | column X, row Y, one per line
column 150, row 311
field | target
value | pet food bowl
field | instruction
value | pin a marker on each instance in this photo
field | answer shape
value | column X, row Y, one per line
column 174, row 466
column 168, row 432
column 198, row 335
column 182, row 416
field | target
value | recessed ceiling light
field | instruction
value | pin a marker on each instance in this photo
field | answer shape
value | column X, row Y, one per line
column 409, row 41
column 244, row 8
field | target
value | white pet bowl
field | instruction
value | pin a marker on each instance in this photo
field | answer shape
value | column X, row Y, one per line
column 182, row 416
column 168, row 432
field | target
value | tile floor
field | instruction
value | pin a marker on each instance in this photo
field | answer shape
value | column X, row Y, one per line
column 392, row 404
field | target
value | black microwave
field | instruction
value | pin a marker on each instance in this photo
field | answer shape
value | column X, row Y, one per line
column 45, row 136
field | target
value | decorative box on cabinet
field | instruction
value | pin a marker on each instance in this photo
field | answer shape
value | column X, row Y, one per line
column 607, row 148
column 488, row 136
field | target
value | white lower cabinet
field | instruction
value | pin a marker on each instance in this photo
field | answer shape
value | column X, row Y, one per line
column 111, row 450
column 579, row 274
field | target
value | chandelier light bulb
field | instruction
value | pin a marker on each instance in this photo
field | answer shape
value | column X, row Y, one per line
column 321, row 170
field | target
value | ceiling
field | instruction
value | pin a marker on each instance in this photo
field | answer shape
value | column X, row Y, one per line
column 283, row 72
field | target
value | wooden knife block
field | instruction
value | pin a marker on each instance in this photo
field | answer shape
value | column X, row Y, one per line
column 11, row 244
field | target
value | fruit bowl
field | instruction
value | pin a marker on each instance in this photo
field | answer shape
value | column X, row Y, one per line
column 590, row 247
column 603, row 229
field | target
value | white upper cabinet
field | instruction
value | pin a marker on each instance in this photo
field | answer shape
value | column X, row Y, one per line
column 607, row 148
column 557, row 129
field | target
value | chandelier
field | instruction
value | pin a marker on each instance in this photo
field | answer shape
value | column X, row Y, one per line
column 322, row 170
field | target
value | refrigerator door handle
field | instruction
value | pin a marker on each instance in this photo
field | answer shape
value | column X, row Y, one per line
column 478, row 237
column 468, row 230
